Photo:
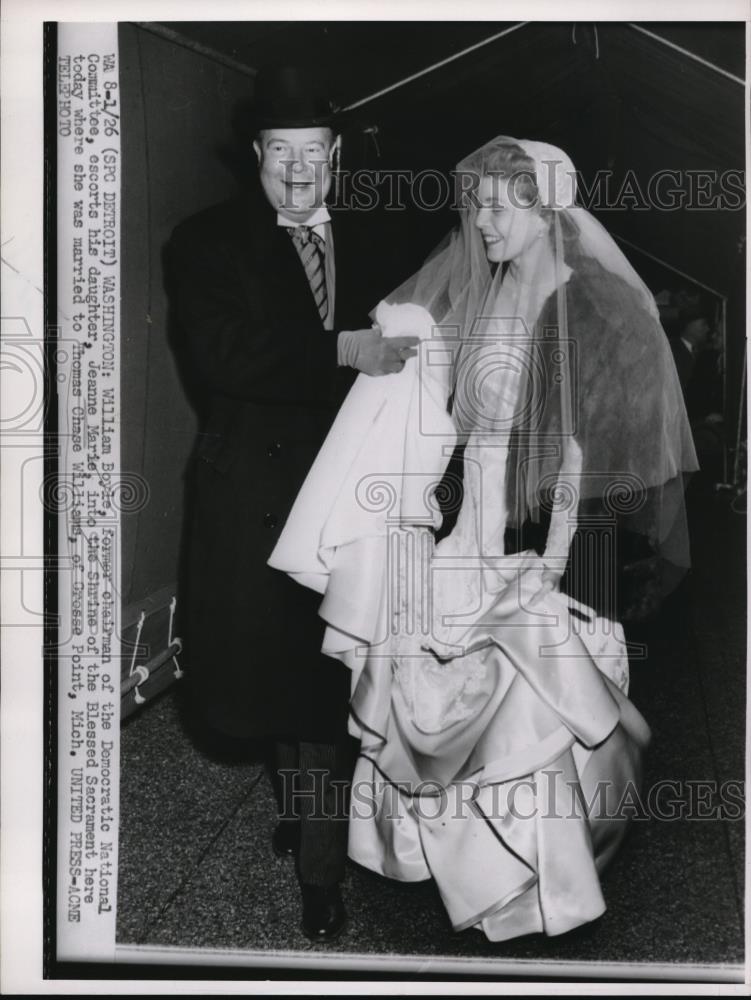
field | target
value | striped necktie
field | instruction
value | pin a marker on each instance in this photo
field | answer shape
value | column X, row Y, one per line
column 311, row 249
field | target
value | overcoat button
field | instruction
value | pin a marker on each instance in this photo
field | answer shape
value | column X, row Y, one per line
column 270, row 520
column 273, row 450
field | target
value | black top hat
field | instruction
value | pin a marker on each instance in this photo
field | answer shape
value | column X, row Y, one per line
column 291, row 97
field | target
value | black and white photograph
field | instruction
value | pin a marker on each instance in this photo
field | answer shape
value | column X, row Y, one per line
column 391, row 483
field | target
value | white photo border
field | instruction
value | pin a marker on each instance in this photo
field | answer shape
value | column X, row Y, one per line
column 22, row 706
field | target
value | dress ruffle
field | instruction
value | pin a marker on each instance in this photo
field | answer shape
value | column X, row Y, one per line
column 503, row 781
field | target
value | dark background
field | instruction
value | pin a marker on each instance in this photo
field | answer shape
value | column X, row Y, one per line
column 610, row 95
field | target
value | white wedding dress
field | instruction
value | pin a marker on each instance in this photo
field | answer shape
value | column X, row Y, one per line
column 497, row 739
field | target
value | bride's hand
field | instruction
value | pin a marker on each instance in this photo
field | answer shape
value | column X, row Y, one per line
column 550, row 580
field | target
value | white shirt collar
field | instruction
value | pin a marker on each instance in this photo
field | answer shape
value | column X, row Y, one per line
column 316, row 221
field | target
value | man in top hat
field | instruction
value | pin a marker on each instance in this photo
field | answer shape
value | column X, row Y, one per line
column 271, row 293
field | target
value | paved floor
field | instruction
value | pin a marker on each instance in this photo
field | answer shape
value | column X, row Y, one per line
column 196, row 868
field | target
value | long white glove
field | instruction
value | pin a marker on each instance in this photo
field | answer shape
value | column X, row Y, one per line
column 370, row 352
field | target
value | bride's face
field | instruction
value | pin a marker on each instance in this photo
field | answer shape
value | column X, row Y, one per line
column 508, row 226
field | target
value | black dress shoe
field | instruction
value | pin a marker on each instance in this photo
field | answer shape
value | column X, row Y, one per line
column 285, row 840
column 323, row 913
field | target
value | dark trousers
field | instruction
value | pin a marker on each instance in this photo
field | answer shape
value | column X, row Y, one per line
column 312, row 785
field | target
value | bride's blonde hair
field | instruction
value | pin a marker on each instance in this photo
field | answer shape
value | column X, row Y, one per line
column 507, row 159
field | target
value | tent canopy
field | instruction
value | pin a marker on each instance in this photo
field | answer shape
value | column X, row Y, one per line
column 630, row 99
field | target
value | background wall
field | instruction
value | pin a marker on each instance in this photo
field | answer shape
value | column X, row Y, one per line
column 177, row 108
column 177, row 117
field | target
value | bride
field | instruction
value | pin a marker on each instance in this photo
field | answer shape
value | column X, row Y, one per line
column 489, row 668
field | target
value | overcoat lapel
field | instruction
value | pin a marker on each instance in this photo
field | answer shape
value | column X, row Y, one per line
column 348, row 273
column 270, row 253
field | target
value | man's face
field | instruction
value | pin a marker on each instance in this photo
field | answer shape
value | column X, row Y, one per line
column 294, row 165
column 697, row 331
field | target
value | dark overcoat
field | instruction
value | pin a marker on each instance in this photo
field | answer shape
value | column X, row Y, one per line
column 268, row 370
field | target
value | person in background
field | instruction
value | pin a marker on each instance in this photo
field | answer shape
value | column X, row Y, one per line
column 697, row 350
